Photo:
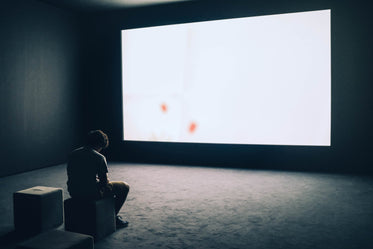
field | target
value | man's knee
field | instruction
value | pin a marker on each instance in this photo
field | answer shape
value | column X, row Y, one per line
column 124, row 186
column 120, row 187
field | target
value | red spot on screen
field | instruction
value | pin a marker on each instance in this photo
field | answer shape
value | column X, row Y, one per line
column 192, row 127
column 164, row 107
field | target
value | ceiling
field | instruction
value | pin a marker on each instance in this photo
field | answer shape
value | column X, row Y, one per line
column 101, row 5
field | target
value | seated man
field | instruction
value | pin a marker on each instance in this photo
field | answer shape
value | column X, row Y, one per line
column 87, row 174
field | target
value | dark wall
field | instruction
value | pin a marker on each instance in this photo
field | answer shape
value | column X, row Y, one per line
column 39, row 85
column 351, row 88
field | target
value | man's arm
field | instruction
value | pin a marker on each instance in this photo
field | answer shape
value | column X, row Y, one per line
column 102, row 173
column 103, row 179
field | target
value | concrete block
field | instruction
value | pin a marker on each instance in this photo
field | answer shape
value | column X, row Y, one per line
column 58, row 239
column 37, row 209
column 95, row 218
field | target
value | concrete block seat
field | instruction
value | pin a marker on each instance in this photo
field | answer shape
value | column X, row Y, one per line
column 58, row 239
column 95, row 218
column 37, row 209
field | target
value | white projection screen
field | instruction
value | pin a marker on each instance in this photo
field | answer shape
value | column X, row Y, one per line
column 255, row 80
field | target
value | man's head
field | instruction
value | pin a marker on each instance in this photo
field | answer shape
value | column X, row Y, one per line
column 97, row 140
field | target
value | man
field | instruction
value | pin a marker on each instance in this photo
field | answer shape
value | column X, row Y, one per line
column 88, row 174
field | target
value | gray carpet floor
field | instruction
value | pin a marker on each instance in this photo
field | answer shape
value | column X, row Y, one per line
column 198, row 207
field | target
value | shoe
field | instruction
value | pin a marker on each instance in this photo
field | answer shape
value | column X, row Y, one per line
column 120, row 222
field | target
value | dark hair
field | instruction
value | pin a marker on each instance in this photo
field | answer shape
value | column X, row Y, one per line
column 97, row 139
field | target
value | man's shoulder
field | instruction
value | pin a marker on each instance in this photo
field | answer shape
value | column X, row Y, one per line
column 86, row 152
column 78, row 151
column 97, row 154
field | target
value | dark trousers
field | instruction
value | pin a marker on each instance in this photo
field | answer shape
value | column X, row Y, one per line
column 120, row 191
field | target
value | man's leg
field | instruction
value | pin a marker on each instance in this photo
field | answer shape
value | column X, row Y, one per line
column 120, row 191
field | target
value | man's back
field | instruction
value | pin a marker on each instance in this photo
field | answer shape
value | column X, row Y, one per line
column 84, row 164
